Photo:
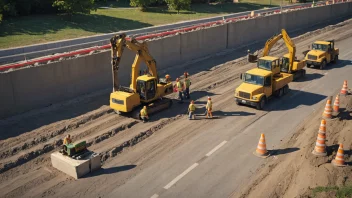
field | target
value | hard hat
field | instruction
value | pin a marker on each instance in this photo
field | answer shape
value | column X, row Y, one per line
column 167, row 76
column 248, row 50
column 209, row 98
column 145, row 107
column 192, row 102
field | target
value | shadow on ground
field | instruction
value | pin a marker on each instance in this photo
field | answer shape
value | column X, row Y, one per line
column 112, row 170
column 283, row 151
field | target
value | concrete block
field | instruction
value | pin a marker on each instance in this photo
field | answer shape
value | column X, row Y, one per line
column 95, row 162
column 241, row 32
column 166, row 51
column 7, row 99
column 200, row 43
column 74, row 168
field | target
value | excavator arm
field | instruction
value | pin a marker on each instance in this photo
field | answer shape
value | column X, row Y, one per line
column 118, row 43
column 291, row 48
column 270, row 43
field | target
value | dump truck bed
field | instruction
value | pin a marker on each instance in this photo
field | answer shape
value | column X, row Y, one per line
column 281, row 80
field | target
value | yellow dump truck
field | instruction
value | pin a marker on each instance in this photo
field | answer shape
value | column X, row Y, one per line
column 321, row 54
column 261, row 83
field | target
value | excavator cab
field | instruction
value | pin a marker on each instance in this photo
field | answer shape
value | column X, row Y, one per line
column 146, row 88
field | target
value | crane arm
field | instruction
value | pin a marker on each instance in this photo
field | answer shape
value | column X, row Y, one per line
column 270, row 43
column 290, row 46
column 118, row 43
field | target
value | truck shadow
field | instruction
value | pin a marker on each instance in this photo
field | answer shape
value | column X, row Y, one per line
column 309, row 77
column 294, row 99
column 111, row 170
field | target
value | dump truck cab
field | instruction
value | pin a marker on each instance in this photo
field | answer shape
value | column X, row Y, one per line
column 261, row 83
column 321, row 54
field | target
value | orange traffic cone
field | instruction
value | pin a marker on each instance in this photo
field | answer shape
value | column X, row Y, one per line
column 328, row 110
column 344, row 88
column 320, row 147
column 261, row 148
column 339, row 159
column 337, row 104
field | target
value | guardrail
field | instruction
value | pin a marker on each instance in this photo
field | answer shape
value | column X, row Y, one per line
column 144, row 37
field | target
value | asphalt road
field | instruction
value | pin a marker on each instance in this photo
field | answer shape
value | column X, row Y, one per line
column 218, row 160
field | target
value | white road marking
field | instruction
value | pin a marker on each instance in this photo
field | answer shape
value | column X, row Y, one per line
column 155, row 196
column 180, row 176
column 216, row 148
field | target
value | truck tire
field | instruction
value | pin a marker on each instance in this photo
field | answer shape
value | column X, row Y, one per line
column 323, row 65
column 308, row 65
column 261, row 103
column 336, row 58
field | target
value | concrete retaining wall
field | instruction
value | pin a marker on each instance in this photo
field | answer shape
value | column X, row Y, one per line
column 36, row 87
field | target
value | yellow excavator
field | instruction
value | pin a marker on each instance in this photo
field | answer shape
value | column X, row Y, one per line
column 288, row 63
column 145, row 90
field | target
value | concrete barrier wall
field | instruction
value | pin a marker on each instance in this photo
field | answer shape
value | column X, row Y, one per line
column 40, row 86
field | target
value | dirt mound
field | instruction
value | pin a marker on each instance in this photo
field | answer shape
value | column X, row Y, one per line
column 295, row 172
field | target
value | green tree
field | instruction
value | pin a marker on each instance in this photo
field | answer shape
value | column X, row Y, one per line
column 75, row 6
column 178, row 5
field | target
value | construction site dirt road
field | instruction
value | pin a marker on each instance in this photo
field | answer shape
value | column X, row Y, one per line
column 170, row 156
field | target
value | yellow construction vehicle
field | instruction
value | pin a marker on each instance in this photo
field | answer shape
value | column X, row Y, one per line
column 288, row 63
column 145, row 90
column 322, row 53
column 261, row 83
column 272, row 75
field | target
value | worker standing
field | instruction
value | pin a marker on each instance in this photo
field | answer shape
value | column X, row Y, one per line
column 209, row 107
column 186, row 74
column 191, row 110
column 144, row 114
column 179, row 86
column 67, row 139
column 187, row 85
column 168, row 78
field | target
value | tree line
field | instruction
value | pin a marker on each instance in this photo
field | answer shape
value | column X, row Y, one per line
column 12, row 8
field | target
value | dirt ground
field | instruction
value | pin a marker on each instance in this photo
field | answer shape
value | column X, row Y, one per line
column 295, row 171
column 27, row 141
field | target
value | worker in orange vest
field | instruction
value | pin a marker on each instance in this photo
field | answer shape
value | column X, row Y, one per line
column 209, row 107
column 67, row 139
column 144, row 114
column 191, row 110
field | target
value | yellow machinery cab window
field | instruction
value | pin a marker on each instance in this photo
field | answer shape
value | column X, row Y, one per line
column 146, row 89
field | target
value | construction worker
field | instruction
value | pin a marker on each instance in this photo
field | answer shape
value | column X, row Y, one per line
column 187, row 85
column 144, row 114
column 179, row 86
column 67, row 139
column 209, row 107
column 186, row 74
column 168, row 79
column 191, row 110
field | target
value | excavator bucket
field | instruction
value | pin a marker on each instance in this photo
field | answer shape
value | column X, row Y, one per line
column 252, row 58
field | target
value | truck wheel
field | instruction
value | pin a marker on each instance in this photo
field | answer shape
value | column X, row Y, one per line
column 336, row 58
column 238, row 103
column 308, row 65
column 323, row 64
column 261, row 103
column 286, row 89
